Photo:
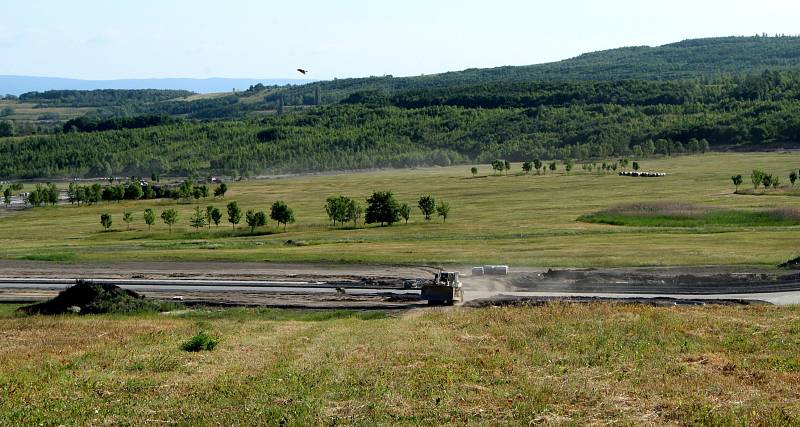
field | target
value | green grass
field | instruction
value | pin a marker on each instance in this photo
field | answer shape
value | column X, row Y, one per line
column 515, row 219
column 555, row 364
column 680, row 215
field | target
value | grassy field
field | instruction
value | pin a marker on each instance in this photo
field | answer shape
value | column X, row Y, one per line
column 26, row 111
column 516, row 219
column 557, row 364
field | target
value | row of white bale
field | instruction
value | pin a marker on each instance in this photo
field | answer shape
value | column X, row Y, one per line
column 645, row 174
column 490, row 270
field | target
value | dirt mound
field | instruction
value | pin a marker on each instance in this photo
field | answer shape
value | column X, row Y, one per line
column 90, row 298
column 792, row 264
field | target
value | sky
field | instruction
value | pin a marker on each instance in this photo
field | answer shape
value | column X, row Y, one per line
column 114, row 39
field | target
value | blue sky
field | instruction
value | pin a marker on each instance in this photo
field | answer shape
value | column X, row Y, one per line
column 109, row 39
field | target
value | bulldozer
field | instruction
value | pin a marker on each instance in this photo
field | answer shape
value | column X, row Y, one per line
column 445, row 289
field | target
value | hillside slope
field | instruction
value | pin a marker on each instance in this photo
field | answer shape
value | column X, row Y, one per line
column 688, row 59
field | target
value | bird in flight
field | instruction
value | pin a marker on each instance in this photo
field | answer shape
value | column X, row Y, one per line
column 302, row 71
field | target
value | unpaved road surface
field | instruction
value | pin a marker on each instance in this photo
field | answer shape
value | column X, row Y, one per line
column 381, row 287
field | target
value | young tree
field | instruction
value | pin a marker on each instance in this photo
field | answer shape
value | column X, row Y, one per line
column 443, row 210
column 405, row 212
column 221, row 190
column 427, row 205
column 52, row 194
column 170, row 217
column 474, row 171
column 149, row 218
column 553, row 166
column 506, row 166
column 568, row 164
column 7, row 196
column 105, row 220
column 282, row 213
column 635, row 166
column 527, row 167
column 776, row 181
column 72, row 193
column 757, row 177
column 234, row 213
column 128, row 218
column 213, row 215
column 198, row 219
column 737, row 181
column 354, row 211
column 185, row 191
column 382, row 208
column 337, row 209
column 537, row 164
column 767, row 180
column 793, row 177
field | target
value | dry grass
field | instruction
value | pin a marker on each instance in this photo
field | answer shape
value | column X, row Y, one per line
column 552, row 364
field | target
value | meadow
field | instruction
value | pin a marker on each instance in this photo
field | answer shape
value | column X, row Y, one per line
column 517, row 219
column 555, row 364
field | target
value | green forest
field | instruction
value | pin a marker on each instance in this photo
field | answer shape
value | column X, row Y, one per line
column 452, row 121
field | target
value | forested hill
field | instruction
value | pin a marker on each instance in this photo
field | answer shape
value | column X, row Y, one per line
column 689, row 59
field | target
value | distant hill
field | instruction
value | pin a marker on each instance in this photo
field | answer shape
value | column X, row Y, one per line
column 698, row 58
column 17, row 85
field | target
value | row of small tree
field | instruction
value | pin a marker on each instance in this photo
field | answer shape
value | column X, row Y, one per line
column 760, row 178
column 500, row 166
column 280, row 213
column 135, row 190
column 382, row 208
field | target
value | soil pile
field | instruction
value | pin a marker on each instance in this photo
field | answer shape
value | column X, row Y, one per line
column 792, row 264
column 89, row 298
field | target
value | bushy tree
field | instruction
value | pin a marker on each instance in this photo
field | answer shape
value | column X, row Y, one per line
column 498, row 165
column 7, row 196
column 427, row 205
column 793, row 177
column 149, row 218
column 382, row 208
column 443, row 210
column 255, row 219
column 234, row 213
column 221, row 189
column 506, row 166
column 133, row 191
column 336, row 208
column 537, row 164
column 170, row 217
column 281, row 213
column 635, row 166
column 527, row 167
column 105, row 220
column 474, row 171
column 553, row 166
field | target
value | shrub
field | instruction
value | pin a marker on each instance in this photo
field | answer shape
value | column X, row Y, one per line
column 201, row 341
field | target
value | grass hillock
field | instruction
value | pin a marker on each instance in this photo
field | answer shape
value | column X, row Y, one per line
column 671, row 214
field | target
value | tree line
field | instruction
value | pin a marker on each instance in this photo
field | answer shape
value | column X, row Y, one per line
column 382, row 208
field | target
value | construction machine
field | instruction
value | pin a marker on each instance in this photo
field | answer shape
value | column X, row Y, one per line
column 444, row 289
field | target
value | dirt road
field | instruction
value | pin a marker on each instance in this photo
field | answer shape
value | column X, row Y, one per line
column 381, row 287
